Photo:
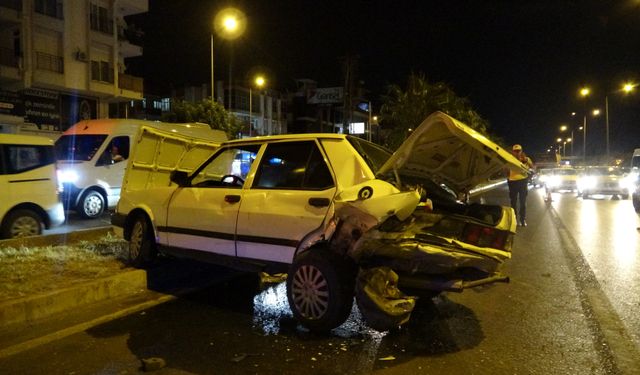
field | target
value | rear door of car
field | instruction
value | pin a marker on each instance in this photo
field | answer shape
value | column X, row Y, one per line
column 290, row 195
column 202, row 215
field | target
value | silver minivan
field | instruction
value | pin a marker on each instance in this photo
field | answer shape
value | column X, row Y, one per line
column 29, row 189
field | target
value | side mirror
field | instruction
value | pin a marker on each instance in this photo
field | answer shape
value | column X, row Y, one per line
column 179, row 177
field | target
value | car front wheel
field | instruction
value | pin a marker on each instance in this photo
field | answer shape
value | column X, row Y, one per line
column 142, row 246
column 320, row 287
column 635, row 198
column 21, row 223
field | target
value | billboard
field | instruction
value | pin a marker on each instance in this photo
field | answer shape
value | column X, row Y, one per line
column 327, row 95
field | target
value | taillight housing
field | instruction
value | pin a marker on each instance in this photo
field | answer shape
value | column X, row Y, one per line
column 482, row 236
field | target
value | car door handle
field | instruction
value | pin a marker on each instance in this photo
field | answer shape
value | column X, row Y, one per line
column 232, row 198
column 319, row 202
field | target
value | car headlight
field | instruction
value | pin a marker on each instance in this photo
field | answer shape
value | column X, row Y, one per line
column 552, row 181
column 67, row 175
column 587, row 182
column 627, row 182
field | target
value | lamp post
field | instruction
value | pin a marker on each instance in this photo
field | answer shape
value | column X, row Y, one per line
column 229, row 23
column 584, row 92
column 259, row 82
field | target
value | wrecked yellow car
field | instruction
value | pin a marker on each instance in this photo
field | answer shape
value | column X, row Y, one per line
column 342, row 216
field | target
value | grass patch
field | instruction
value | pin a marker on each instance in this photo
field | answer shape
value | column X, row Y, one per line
column 27, row 271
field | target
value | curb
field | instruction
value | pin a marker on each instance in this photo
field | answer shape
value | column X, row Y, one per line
column 30, row 309
column 58, row 239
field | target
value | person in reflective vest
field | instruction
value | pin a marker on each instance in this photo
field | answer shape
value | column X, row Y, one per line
column 518, row 185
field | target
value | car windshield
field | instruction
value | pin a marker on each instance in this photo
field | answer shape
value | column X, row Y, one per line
column 78, row 147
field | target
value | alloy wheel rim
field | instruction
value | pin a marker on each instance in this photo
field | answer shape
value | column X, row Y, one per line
column 24, row 227
column 136, row 240
column 310, row 291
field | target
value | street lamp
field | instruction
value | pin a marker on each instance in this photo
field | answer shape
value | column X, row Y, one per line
column 564, row 128
column 626, row 88
column 259, row 81
column 229, row 23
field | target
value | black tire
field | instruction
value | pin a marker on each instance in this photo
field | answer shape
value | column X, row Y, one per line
column 320, row 287
column 635, row 198
column 142, row 245
column 624, row 196
column 22, row 223
column 585, row 195
column 91, row 205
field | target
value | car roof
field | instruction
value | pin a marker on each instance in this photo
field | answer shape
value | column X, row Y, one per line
column 286, row 137
column 21, row 139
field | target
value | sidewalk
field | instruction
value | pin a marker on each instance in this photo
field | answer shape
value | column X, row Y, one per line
column 41, row 318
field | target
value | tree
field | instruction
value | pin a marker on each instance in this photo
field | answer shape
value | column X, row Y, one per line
column 404, row 109
column 207, row 111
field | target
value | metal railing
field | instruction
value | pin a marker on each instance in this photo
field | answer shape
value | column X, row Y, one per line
column 132, row 83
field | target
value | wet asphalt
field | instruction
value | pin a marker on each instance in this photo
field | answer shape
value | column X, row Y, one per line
column 570, row 308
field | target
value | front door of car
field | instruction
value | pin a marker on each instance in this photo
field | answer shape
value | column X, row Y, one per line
column 202, row 215
column 290, row 196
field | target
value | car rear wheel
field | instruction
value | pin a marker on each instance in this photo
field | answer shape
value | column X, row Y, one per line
column 142, row 246
column 91, row 205
column 21, row 223
column 585, row 195
column 320, row 287
column 635, row 198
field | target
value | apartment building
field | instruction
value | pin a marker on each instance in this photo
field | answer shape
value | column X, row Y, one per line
column 64, row 61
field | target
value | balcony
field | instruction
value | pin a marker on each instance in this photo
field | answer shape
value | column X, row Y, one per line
column 127, row 82
column 130, row 7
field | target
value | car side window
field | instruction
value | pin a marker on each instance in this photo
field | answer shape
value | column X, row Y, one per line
column 116, row 151
column 229, row 168
column 293, row 165
column 22, row 158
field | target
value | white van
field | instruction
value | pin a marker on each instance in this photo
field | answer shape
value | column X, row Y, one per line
column 29, row 198
column 93, row 154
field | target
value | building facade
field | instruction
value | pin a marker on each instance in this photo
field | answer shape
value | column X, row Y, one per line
column 64, row 61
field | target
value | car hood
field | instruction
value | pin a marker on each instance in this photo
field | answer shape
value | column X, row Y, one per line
column 448, row 151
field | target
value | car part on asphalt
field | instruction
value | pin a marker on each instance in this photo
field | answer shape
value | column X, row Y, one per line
column 383, row 306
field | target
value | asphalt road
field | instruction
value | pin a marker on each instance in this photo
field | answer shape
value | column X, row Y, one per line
column 569, row 309
column 74, row 222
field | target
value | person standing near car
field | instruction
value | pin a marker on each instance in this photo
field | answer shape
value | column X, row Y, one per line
column 518, row 188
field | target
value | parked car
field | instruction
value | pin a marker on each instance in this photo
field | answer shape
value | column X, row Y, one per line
column 341, row 215
column 28, row 182
column 565, row 178
column 93, row 155
column 605, row 180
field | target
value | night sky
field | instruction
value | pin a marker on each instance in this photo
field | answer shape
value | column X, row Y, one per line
column 520, row 63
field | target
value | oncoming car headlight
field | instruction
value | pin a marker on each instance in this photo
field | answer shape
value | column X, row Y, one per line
column 67, row 175
column 552, row 181
column 628, row 182
column 586, row 182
